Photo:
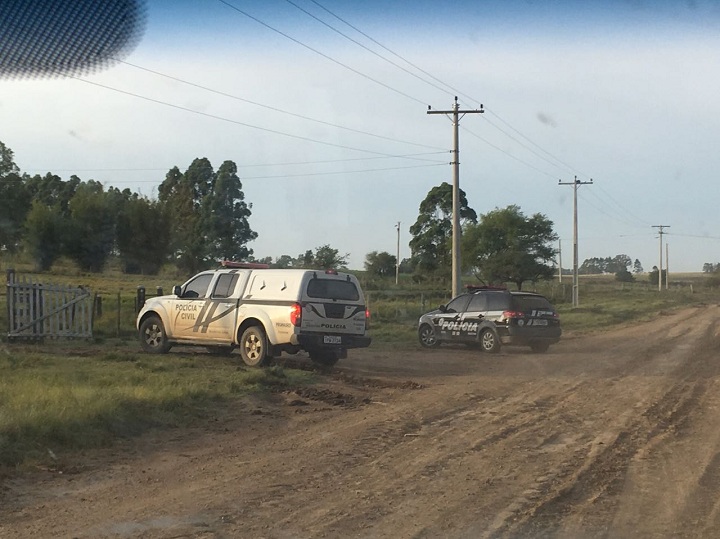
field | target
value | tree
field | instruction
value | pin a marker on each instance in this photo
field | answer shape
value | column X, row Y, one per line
column 508, row 246
column 143, row 236
column 15, row 201
column 325, row 257
column 52, row 190
column 381, row 264
column 431, row 244
column 284, row 261
column 637, row 267
column 45, row 233
column 90, row 234
column 225, row 216
column 654, row 275
column 178, row 194
column 306, row 260
column 624, row 276
column 619, row 263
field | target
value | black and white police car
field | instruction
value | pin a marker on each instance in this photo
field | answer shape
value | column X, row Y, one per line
column 492, row 317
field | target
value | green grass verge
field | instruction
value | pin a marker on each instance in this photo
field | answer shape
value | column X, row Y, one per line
column 74, row 397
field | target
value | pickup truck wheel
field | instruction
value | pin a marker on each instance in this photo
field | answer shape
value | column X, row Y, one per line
column 325, row 358
column 152, row 336
column 254, row 346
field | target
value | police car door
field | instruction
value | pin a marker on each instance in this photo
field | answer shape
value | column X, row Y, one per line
column 448, row 322
column 473, row 315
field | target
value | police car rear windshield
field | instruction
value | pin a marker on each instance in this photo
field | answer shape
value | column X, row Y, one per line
column 333, row 289
column 529, row 303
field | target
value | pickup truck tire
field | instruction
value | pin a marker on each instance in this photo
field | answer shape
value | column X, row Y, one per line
column 254, row 346
column 153, row 338
column 325, row 358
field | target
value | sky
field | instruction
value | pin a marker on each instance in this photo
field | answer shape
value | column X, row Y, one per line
column 333, row 143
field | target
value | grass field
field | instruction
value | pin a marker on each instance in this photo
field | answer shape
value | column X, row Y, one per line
column 58, row 397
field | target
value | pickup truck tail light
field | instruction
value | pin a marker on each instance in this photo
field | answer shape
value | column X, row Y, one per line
column 296, row 314
column 367, row 318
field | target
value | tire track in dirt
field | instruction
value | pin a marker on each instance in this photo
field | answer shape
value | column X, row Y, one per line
column 591, row 487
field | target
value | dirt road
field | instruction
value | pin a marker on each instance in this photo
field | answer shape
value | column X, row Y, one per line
column 609, row 435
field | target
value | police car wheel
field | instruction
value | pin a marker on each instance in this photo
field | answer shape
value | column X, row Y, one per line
column 489, row 341
column 254, row 347
column 152, row 336
column 426, row 335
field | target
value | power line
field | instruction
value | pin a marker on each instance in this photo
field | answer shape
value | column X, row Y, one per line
column 454, row 90
column 507, row 153
column 244, row 124
column 331, row 27
column 310, row 174
column 568, row 167
column 557, row 160
column 242, row 166
column 528, row 148
column 275, row 109
column 338, row 62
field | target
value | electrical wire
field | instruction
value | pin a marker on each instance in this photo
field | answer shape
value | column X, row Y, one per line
column 327, row 57
column 243, row 166
column 236, row 122
column 507, row 153
column 275, row 109
column 365, row 47
column 408, row 62
column 570, row 168
column 310, row 174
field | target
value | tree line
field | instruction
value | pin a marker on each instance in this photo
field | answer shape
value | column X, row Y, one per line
column 201, row 216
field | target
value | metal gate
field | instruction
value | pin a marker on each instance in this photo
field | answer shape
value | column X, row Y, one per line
column 37, row 310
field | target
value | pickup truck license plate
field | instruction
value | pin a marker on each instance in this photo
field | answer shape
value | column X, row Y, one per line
column 332, row 339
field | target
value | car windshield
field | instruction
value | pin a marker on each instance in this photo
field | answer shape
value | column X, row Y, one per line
column 334, row 289
column 531, row 303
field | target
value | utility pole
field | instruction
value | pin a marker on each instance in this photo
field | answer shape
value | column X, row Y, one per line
column 397, row 260
column 456, row 116
column 575, row 184
column 660, row 279
column 667, row 266
column 560, row 260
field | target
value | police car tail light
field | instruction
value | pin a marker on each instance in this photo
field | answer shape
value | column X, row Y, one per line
column 367, row 318
column 296, row 314
column 507, row 315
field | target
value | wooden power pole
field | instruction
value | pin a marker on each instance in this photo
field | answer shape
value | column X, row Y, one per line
column 575, row 184
column 455, row 114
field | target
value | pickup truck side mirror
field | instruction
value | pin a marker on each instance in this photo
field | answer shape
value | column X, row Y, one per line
column 177, row 290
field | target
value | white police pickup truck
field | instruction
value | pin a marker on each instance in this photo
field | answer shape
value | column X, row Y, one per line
column 263, row 312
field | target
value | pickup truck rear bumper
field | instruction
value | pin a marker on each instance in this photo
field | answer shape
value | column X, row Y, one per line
column 317, row 342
